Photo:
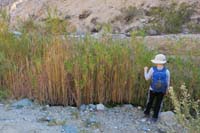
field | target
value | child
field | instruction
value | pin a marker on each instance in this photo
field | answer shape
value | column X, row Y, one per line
column 160, row 80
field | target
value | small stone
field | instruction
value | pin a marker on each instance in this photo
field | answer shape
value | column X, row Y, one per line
column 143, row 20
column 67, row 17
column 17, row 33
column 143, row 120
column 70, row 129
column 139, row 107
column 146, row 129
column 45, row 119
column 100, row 107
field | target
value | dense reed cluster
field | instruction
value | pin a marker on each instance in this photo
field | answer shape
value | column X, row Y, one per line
column 46, row 66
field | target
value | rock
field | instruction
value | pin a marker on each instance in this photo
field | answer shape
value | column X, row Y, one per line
column 17, row 33
column 92, row 121
column 67, row 17
column 128, row 106
column 92, row 107
column 168, row 118
column 83, row 107
column 100, row 107
column 116, row 30
column 94, row 20
column 146, row 129
column 97, row 35
column 85, row 14
column 70, row 129
column 22, row 103
column 139, row 107
column 152, row 32
column 143, row 20
column 45, row 119
column 185, row 30
column 143, row 120
column 119, row 36
column 95, row 29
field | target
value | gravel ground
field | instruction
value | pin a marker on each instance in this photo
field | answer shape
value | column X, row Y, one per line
column 34, row 118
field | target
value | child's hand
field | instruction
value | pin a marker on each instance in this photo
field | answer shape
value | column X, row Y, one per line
column 145, row 68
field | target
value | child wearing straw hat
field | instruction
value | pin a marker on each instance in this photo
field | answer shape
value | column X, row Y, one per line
column 160, row 80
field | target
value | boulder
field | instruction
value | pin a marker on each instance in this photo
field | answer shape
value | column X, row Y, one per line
column 128, row 106
column 100, row 107
column 22, row 103
column 168, row 118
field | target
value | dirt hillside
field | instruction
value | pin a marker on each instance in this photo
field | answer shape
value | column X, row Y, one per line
column 90, row 15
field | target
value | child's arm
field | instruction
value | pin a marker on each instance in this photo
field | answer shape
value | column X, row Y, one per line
column 148, row 75
column 168, row 79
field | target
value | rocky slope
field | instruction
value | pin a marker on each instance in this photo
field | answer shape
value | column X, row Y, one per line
column 25, row 116
column 89, row 15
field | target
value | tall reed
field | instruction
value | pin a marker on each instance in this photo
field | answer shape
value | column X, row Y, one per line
column 59, row 70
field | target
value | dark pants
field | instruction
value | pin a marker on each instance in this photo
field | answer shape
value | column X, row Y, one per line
column 158, row 96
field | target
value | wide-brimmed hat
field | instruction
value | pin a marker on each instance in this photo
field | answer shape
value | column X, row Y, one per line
column 159, row 59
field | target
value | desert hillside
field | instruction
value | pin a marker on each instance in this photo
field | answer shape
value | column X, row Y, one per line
column 123, row 16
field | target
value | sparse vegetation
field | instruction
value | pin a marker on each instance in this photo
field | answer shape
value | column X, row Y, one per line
column 186, row 109
column 194, row 27
column 128, row 14
column 170, row 19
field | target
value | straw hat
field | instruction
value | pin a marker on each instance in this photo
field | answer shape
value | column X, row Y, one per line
column 159, row 59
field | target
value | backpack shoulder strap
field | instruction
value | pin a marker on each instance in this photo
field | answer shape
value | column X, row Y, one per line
column 155, row 69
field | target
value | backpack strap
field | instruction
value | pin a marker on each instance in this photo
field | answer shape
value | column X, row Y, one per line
column 155, row 69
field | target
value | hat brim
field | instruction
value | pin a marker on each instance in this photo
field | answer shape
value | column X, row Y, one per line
column 158, row 62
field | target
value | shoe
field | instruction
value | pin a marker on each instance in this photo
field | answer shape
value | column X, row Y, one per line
column 154, row 120
column 146, row 116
